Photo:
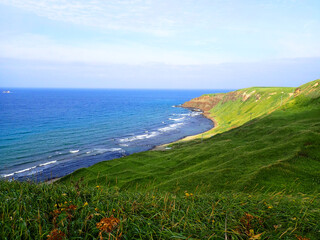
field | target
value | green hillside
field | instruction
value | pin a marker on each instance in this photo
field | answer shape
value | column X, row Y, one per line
column 250, row 103
column 258, row 177
column 276, row 151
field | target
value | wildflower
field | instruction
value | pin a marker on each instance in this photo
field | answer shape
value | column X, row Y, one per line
column 56, row 234
column 98, row 186
column 270, row 207
column 71, row 207
column 65, row 202
column 85, row 204
column 108, row 224
column 213, row 220
column 56, row 212
column 64, row 194
column 256, row 237
column 187, row 194
column 113, row 210
column 301, row 238
column 276, row 227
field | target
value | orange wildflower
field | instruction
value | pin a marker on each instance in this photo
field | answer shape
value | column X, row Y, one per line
column 108, row 224
column 56, row 234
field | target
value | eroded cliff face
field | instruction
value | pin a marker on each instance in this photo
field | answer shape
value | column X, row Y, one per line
column 207, row 102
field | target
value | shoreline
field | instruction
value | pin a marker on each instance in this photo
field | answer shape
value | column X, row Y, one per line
column 164, row 147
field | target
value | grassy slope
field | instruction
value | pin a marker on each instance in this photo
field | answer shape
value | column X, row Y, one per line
column 231, row 114
column 257, row 181
column 276, row 151
column 238, row 107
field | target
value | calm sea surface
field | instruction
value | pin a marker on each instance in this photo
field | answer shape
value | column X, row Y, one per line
column 50, row 133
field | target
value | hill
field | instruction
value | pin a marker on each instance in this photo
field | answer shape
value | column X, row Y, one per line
column 256, row 177
column 276, row 151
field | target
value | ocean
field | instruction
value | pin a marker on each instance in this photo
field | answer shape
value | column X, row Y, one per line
column 49, row 133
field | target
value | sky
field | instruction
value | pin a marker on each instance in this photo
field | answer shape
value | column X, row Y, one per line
column 167, row 44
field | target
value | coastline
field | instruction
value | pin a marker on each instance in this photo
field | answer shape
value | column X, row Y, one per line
column 164, row 147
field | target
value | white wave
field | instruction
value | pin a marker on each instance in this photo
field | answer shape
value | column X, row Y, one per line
column 177, row 119
column 139, row 137
column 115, row 150
column 103, row 150
column 170, row 127
column 193, row 114
column 47, row 163
column 24, row 170
column 20, row 171
column 74, row 151
column 97, row 151
column 124, row 145
column 181, row 114
column 7, row 175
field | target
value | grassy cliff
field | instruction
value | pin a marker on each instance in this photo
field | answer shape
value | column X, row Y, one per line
column 285, row 141
column 233, row 109
column 258, row 177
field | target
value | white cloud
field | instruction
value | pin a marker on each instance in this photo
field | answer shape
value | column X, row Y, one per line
column 199, row 31
column 131, row 15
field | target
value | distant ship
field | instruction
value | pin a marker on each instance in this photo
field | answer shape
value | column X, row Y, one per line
column 6, row 92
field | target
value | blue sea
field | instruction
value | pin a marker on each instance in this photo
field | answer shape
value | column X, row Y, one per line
column 49, row 133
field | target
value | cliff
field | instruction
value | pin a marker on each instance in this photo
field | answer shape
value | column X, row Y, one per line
column 233, row 109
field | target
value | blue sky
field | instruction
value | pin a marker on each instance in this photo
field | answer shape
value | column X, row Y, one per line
column 159, row 44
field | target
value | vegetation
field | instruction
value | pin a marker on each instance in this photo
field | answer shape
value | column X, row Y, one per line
column 41, row 211
column 256, row 181
column 248, row 104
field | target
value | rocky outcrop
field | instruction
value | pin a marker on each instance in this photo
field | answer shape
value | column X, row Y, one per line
column 207, row 102
column 204, row 103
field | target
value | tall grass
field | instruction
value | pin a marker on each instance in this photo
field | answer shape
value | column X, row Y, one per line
column 41, row 211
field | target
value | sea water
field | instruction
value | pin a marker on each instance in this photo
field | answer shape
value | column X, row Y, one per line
column 49, row 133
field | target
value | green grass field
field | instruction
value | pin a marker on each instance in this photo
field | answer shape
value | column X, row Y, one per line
column 258, row 177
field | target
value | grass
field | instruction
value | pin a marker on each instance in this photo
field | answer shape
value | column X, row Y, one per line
column 260, row 180
column 231, row 114
column 235, row 110
column 38, row 211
